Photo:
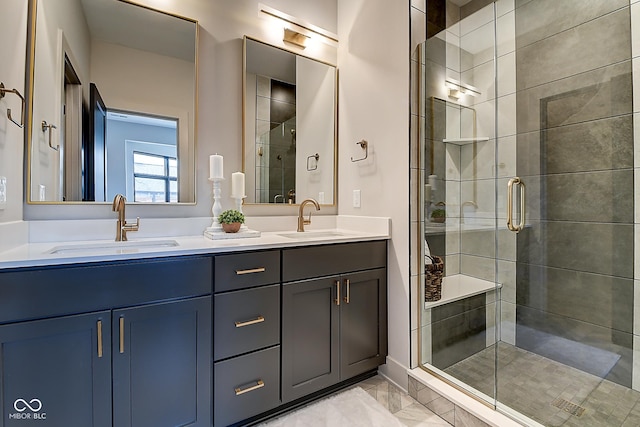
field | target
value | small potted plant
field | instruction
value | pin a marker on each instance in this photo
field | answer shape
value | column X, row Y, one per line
column 438, row 215
column 231, row 220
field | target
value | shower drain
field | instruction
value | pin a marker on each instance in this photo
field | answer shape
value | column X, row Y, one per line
column 567, row 406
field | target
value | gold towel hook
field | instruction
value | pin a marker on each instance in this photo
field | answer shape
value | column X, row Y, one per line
column 14, row 91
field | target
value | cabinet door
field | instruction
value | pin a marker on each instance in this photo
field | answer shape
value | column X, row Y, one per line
column 310, row 337
column 162, row 364
column 56, row 372
column 363, row 322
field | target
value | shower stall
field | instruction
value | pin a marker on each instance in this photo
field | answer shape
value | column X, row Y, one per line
column 523, row 179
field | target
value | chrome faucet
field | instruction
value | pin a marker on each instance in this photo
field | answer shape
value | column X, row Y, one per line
column 301, row 221
column 119, row 204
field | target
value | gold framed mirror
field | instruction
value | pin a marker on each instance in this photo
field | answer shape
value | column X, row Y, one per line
column 289, row 126
column 111, row 103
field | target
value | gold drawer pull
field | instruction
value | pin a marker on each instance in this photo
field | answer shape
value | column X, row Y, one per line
column 121, row 335
column 99, row 338
column 347, row 297
column 260, row 319
column 258, row 385
column 251, row 270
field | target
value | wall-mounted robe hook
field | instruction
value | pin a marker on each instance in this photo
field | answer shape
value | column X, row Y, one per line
column 48, row 127
column 315, row 156
column 365, row 146
column 14, row 91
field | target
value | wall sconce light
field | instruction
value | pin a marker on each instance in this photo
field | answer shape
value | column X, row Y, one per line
column 457, row 89
column 294, row 37
column 297, row 31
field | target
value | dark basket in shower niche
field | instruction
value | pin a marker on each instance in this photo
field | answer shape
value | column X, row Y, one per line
column 433, row 279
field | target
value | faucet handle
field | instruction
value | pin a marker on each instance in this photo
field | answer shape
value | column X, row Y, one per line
column 132, row 227
column 129, row 227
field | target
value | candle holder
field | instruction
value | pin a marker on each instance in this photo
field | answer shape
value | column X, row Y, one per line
column 216, row 209
column 238, row 201
column 215, row 232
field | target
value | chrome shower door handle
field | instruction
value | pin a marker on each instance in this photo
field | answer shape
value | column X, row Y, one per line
column 510, row 225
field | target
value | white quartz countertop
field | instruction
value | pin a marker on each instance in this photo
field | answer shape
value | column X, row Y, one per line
column 79, row 251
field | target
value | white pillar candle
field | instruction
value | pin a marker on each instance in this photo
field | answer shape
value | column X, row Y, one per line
column 215, row 166
column 237, row 185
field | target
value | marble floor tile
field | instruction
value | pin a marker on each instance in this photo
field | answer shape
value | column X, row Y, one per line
column 408, row 410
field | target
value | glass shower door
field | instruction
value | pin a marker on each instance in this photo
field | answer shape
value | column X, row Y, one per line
column 458, row 202
column 565, row 355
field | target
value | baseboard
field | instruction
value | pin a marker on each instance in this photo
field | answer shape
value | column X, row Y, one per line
column 396, row 373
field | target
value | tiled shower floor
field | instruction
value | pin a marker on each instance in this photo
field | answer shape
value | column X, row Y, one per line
column 531, row 384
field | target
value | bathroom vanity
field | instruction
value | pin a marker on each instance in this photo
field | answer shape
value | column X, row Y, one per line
column 193, row 335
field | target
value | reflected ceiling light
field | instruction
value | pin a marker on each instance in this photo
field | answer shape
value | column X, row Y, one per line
column 299, row 30
column 457, row 88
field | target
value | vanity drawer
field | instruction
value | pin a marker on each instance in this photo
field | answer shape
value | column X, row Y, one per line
column 317, row 261
column 246, row 320
column 246, row 386
column 246, row 270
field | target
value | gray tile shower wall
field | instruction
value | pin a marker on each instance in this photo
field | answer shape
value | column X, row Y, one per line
column 596, row 144
column 575, row 153
column 596, row 299
column 458, row 330
column 557, row 16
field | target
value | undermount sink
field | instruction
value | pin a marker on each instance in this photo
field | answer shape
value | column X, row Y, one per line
column 313, row 234
column 112, row 247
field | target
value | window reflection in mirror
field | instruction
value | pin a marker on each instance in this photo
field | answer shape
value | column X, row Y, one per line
column 289, row 126
column 100, row 67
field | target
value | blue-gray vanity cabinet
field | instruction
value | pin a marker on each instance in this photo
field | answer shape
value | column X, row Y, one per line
column 246, row 335
column 162, row 364
column 56, row 372
column 310, row 337
column 119, row 343
column 334, row 327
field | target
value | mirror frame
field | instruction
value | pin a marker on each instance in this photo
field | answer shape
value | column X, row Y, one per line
column 244, row 121
column 28, row 122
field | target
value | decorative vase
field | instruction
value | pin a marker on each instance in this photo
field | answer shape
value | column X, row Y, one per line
column 232, row 227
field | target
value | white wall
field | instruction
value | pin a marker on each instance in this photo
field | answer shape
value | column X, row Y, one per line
column 373, row 96
column 13, row 29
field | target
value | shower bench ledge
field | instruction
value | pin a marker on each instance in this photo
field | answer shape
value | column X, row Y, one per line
column 459, row 286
